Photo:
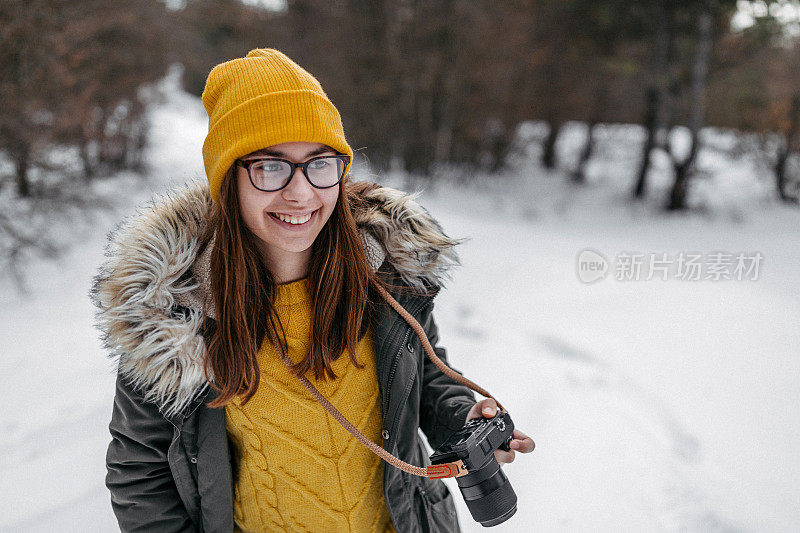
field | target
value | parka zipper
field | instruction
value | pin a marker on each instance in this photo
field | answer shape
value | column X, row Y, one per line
column 409, row 330
column 394, row 369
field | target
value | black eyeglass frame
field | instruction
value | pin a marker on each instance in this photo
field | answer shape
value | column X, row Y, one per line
column 246, row 164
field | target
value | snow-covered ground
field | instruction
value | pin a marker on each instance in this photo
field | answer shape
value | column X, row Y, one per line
column 656, row 405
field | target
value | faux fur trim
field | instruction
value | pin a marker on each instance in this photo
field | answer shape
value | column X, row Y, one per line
column 154, row 263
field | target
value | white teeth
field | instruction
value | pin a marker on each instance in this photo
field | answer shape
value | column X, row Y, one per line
column 293, row 219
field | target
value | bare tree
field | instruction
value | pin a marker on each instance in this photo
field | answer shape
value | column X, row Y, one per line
column 792, row 141
column 71, row 78
column 682, row 168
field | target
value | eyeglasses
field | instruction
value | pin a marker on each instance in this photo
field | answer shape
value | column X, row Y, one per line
column 271, row 174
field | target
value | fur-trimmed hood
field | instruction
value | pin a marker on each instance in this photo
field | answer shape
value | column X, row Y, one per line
column 155, row 265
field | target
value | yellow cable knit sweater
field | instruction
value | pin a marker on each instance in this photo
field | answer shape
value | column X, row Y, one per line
column 299, row 469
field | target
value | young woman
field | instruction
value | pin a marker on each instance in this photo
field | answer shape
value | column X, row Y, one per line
column 240, row 307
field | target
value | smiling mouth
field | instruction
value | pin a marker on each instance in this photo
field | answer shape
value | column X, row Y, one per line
column 295, row 220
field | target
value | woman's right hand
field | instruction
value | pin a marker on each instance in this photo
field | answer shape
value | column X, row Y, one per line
column 520, row 443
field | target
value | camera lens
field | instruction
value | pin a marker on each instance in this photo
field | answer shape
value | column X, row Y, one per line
column 488, row 494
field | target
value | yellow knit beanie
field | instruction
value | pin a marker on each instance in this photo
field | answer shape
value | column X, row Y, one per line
column 263, row 99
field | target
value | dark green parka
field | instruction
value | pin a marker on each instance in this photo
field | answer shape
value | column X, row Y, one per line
column 170, row 461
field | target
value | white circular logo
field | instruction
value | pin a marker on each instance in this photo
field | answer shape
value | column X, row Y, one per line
column 592, row 266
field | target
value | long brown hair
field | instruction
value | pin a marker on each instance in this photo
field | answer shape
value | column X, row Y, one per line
column 243, row 292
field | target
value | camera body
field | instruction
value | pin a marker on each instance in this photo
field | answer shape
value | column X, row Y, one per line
column 487, row 491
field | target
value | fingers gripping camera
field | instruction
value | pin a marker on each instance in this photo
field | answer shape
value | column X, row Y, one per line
column 487, row 491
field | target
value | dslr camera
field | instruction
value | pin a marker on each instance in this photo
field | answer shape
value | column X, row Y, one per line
column 487, row 492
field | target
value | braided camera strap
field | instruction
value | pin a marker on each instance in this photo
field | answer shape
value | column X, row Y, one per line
column 454, row 469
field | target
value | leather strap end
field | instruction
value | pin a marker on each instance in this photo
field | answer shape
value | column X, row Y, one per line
column 444, row 470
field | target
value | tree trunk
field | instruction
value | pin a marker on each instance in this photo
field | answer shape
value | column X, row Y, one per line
column 651, row 124
column 677, row 197
column 783, row 153
column 549, row 154
column 579, row 174
column 396, row 48
column 22, row 163
column 600, row 102
column 683, row 171
column 86, row 159
column 445, row 117
column 658, row 93
column 446, row 93
column 139, row 146
column 499, row 150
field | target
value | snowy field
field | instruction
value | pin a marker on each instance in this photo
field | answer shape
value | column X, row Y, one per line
column 656, row 405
